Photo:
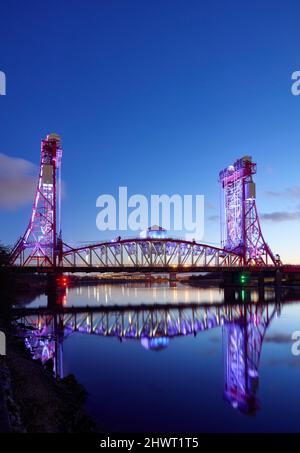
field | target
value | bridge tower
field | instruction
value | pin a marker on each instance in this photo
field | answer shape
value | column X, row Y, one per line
column 41, row 243
column 240, row 226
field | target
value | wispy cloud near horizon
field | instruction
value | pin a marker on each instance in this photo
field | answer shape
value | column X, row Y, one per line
column 213, row 218
column 280, row 216
column 18, row 179
column 275, row 216
column 288, row 192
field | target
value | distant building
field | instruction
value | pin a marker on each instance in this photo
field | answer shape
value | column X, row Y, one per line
column 154, row 232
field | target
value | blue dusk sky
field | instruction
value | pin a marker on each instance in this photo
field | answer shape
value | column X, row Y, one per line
column 157, row 96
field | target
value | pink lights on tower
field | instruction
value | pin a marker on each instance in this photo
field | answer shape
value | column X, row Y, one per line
column 241, row 231
column 38, row 246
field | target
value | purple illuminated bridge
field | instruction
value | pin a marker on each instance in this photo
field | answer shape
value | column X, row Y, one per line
column 243, row 246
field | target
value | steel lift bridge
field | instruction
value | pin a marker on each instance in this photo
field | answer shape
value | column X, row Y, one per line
column 41, row 247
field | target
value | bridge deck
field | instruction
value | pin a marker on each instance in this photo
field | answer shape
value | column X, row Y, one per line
column 152, row 269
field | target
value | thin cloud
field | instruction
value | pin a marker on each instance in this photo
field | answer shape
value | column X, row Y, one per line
column 213, row 218
column 18, row 178
column 280, row 216
column 209, row 205
column 292, row 362
column 278, row 338
column 271, row 193
column 289, row 192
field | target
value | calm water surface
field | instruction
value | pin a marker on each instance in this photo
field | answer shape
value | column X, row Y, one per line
column 184, row 361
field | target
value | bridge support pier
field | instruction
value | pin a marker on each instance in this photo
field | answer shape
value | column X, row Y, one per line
column 55, row 290
column 228, row 279
column 51, row 285
column 261, row 287
column 237, row 295
column 278, row 286
column 173, row 279
column 236, row 278
column 278, row 277
column 148, row 278
column 229, row 294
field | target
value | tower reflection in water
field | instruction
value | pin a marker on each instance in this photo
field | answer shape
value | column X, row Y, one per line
column 243, row 329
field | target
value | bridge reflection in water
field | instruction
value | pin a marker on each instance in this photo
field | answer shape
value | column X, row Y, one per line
column 243, row 329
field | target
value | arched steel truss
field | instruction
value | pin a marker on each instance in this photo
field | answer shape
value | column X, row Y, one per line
column 155, row 253
column 41, row 246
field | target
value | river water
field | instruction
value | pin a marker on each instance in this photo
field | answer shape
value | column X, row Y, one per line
column 174, row 359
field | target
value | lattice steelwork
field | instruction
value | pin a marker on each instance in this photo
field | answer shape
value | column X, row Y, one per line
column 241, row 231
column 242, row 243
column 38, row 246
column 167, row 253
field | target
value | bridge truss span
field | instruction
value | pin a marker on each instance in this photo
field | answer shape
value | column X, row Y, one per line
column 167, row 253
column 41, row 247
